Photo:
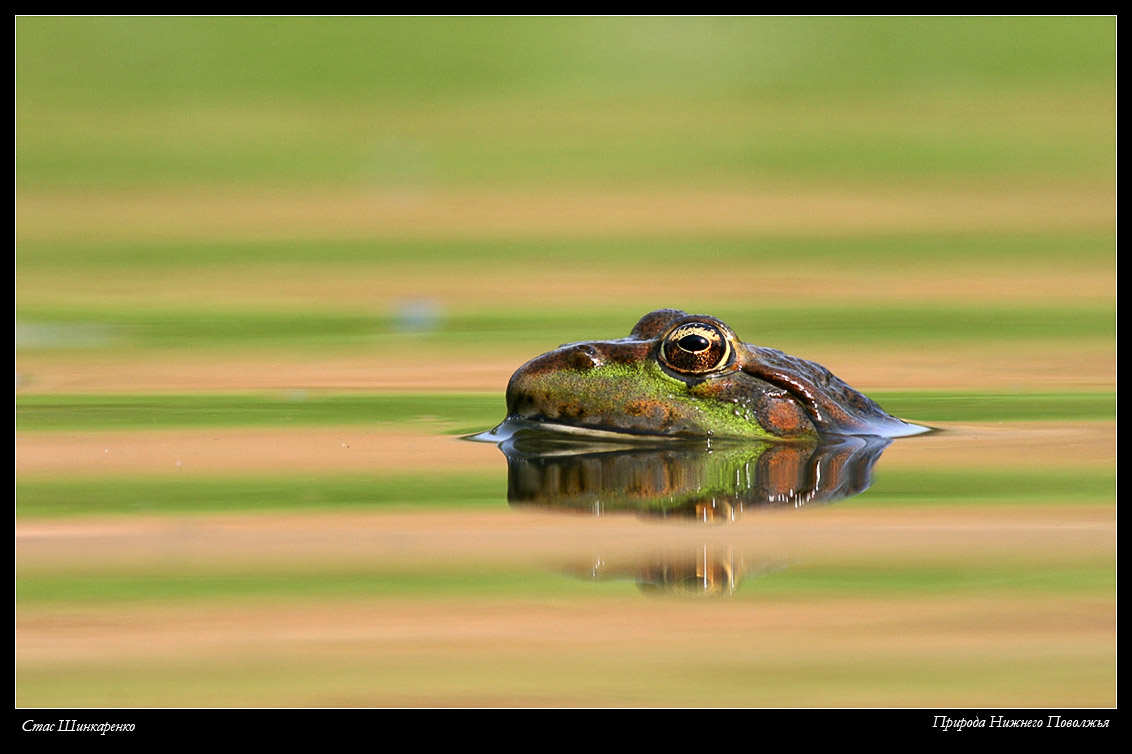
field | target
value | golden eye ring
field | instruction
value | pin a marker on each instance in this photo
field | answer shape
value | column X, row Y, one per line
column 695, row 348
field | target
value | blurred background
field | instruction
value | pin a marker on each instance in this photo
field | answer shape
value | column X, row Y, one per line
column 268, row 268
column 358, row 202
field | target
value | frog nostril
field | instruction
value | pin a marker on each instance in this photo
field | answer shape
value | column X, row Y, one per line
column 584, row 356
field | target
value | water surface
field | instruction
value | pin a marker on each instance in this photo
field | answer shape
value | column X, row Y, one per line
column 972, row 565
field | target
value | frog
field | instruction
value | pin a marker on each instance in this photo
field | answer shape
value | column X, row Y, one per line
column 680, row 375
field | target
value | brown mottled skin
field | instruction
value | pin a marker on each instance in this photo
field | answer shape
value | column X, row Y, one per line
column 659, row 382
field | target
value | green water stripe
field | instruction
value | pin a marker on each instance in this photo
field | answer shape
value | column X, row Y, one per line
column 442, row 490
column 297, row 408
column 470, row 412
column 782, row 327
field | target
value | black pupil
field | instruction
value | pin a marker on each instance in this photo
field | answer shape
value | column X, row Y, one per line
column 693, row 343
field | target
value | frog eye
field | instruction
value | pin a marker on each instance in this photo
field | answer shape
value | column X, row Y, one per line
column 695, row 348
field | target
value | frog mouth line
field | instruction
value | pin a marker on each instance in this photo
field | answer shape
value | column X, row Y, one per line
column 513, row 424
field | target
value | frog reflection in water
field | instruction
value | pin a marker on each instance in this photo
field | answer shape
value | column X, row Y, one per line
column 688, row 375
